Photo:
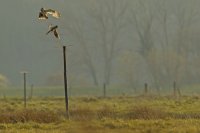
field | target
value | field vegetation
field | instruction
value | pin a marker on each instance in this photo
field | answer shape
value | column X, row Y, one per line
column 138, row 114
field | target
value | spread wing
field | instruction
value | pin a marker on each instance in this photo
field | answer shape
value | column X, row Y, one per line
column 54, row 13
column 56, row 34
column 42, row 16
column 49, row 31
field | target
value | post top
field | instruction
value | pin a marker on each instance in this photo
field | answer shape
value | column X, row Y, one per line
column 22, row 72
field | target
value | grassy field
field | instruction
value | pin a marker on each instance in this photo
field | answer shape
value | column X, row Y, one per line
column 139, row 114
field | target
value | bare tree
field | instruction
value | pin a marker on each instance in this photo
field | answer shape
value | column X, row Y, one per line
column 143, row 20
column 129, row 66
column 78, row 31
column 163, row 17
column 185, row 15
column 181, row 18
column 109, row 19
column 164, row 32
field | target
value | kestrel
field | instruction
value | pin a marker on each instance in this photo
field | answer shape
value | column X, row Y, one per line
column 43, row 14
column 54, row 30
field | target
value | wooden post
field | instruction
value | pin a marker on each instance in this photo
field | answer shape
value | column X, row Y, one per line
column 24, row 77
column 104, row 90
column 175, row 89
column 65, row 81
column 145, row 88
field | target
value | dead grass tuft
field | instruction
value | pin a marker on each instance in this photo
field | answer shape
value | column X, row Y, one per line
column 82, row 114
column 106, row 111
column 144, row 112
column 29, row 115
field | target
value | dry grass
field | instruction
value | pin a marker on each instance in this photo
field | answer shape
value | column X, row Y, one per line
column 28, row 115
column 141, row 114
column 145, row 113
column 89, row 109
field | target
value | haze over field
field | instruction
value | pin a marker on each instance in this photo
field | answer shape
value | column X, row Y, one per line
column 115, row 42
column 24, row 44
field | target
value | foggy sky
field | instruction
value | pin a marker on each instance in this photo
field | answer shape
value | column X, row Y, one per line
column 24, row 45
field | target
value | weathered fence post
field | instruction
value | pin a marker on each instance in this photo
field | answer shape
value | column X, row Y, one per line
column 145, row 89
column 179, row 91
column 65, row 81
column 24, row 77
column 175, row 89
column 25, row 90
column 104, row 90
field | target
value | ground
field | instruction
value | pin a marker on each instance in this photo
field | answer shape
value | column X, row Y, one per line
column 138, row 114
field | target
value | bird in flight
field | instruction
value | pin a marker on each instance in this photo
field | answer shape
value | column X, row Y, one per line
column 54, row 30
column 43, row 14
